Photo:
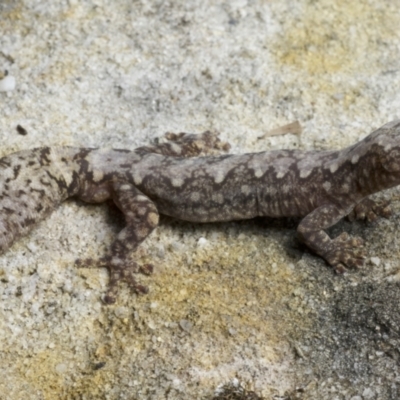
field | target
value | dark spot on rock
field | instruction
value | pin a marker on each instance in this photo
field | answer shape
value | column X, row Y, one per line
column 21, row 130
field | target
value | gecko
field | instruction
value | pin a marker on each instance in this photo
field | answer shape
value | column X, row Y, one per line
column 185, row 176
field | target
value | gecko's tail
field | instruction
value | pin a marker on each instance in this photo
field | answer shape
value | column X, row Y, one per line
column 29, row 190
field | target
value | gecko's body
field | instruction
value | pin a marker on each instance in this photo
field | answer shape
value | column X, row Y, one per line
column 170, row 178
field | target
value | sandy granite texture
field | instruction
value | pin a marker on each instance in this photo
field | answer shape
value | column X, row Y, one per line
column 235, row 300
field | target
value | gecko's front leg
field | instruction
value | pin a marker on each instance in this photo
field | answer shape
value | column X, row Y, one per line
column 141, row 217
column 342, row 252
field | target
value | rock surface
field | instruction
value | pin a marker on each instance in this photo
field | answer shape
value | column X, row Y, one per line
column 236, row 300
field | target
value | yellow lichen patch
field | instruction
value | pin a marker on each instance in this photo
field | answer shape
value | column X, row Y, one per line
column 229, row 289
column 328, row 35
column 11, row 10
column 44, row 372
column 335, row 37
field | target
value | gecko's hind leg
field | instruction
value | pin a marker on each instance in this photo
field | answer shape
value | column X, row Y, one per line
column 342, row 252
column 141, row 217
column 187, row 145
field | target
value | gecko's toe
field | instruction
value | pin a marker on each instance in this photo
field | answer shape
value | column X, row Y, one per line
column 354, row 262
column 347, row 252
column 349, row 261
column 355, row 241
column 386, row 211
column 352, row 258
column 371, row 216
column 109, row 299
column 173, row 137
column 339, row 268
column 101, row 262
column 139, row 289
column 193, row 145
column 128, row 275
column 146, row 269
column 346, row 241
column 84, row 262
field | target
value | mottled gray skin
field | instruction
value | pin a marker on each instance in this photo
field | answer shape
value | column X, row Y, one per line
column 172, row 178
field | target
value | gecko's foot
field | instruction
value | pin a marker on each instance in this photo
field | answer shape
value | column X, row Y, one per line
column 370, row 210
column 193, row 144
column 120, row 271
column 346, row 252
